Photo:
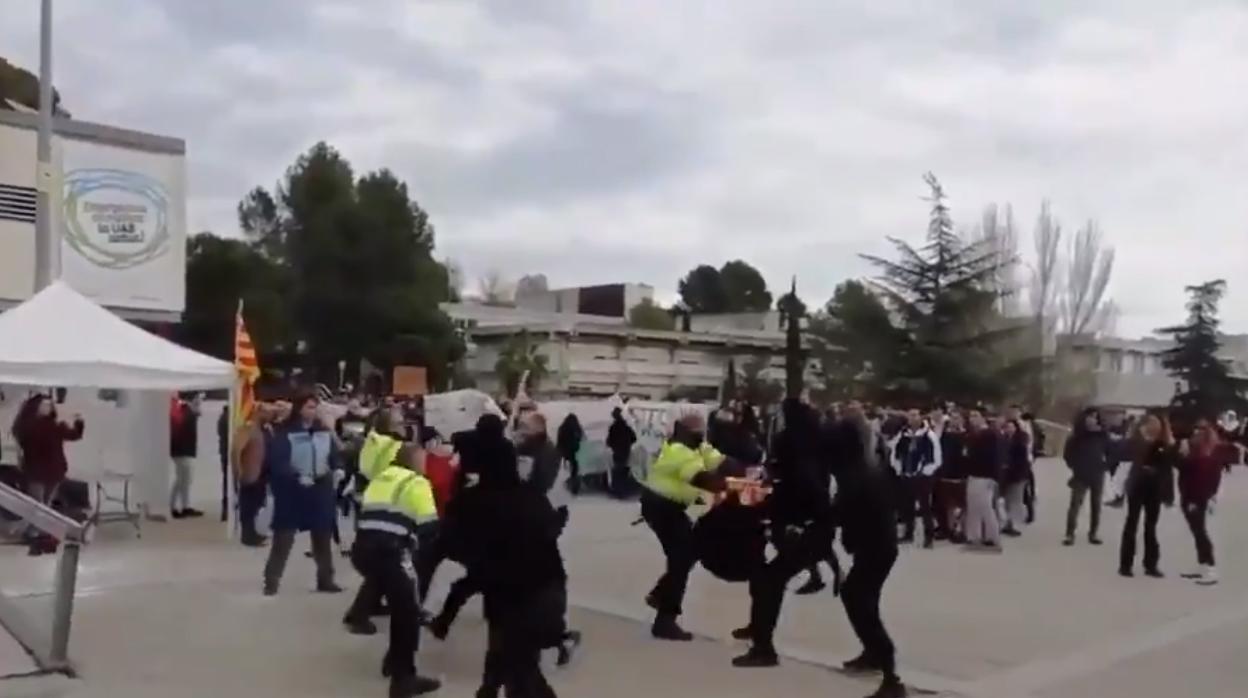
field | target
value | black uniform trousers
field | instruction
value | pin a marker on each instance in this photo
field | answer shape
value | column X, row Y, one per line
column 385, row 563
column 796, row 550
column 861, row 595
column 671, row 525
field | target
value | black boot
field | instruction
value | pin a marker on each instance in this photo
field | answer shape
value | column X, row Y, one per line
column 891, row 687
column 666, row 628
column 410, row 686
column 757, row 657
column 862, row 664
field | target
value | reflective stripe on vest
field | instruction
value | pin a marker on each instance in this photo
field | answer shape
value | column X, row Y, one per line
column 391, row 516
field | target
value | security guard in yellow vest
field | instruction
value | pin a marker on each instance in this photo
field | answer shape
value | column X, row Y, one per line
column 684, row 469
column 398, row 501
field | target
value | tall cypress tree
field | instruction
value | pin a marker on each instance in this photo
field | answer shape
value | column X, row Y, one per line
column 943, row 297
column 1209, row 386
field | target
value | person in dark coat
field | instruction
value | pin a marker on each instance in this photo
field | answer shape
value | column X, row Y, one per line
column 223, row 452
column 1150, row 484
column 507, row 535
column 800, row 511
column 568, row 441
column 297, row 461
column 620, row 440
column 865, row 511
column 1087, row 454
column 41, row 436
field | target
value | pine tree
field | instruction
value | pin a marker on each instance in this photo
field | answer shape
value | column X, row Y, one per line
column 1209, row 386
column 943, row 296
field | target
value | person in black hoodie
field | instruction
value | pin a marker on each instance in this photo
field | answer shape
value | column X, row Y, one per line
column 800, row 512
column 1087, row 454
column 568, row 441
column 620, row 439
column 506, row 533
column 865, row 511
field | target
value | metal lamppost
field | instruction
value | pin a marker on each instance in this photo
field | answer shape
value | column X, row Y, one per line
column 47, row 247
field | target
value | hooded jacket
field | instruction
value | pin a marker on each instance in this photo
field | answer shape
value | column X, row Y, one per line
column 864, row 506
column 1087, row 453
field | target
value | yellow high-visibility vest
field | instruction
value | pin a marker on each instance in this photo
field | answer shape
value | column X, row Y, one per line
column 397, row 501
column 671, row 475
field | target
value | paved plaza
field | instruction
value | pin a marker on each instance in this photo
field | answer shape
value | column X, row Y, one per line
column 179, row 613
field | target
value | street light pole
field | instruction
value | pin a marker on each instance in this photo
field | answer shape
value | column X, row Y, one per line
column 47, row 248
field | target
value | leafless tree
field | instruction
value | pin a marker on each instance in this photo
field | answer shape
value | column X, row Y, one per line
column 1047, row 270
column 997, row 232
column 494, row 289
column 531, row 283
column 454, row 279
column 1081, row 303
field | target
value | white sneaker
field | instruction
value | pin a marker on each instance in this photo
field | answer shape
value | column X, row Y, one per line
column 1197, row 573
column 1209, row 578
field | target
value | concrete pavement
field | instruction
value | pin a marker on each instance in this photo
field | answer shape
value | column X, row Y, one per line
column 180, row 613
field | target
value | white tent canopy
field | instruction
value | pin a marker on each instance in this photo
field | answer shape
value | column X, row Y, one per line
column 61, row 338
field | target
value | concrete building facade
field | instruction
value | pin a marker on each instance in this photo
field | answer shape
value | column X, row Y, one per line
column 596, row 356
column 1128, row 373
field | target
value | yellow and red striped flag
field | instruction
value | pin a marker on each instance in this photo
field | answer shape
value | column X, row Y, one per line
column 247, row 368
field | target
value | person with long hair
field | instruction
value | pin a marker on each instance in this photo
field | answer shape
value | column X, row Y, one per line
column 1149, row 485
column 1202, row 459
column 1087, row 454
column 302, row 483
column 41, row 436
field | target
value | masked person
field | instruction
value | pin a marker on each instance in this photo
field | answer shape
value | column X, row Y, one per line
column 684, row 469
column 863, row 508
column 541, row 465
column 620, row 440
column 506, row 533
column 396, row 504
column 799, row 509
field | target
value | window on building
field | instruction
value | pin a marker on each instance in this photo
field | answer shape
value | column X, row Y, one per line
column 1115, row 361
column 1138, row 362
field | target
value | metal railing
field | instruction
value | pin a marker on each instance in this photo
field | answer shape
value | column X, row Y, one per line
column 49, row 648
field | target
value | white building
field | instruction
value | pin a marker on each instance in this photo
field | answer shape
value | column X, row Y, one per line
column 1128, row 373
column 595, row 355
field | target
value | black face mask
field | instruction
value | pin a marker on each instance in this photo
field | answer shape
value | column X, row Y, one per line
column 692, row 439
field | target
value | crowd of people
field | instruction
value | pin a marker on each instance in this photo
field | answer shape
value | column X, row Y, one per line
column 879, row 477
column 781, row 487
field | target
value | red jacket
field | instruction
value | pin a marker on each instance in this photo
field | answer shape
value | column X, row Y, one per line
column 1200, row 474
column 43, row 448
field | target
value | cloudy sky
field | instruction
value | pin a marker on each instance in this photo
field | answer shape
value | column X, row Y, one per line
column 628, row 140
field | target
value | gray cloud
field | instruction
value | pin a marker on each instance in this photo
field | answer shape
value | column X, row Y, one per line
column 625, row 140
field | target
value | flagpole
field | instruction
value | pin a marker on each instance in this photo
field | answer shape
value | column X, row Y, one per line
column 231, row 435
column 232, row 424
